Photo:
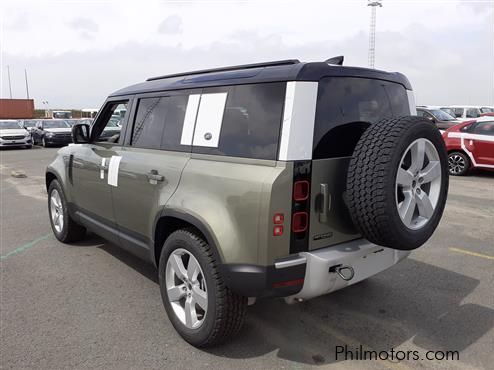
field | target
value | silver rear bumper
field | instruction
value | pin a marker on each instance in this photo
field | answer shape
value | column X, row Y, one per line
column 364, row 258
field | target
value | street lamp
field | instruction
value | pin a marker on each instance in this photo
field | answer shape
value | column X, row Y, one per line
column 372, row 33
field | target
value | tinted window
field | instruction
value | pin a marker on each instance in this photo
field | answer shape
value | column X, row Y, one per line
column 484, row 128
column 251, row 121
column 149, row 123
column 174, row 120
column 347, row 105
column 458, row 112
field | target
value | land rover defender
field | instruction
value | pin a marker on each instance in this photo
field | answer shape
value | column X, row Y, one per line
column 279, row 179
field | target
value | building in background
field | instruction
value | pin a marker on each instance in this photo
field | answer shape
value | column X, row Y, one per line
column 16, row 108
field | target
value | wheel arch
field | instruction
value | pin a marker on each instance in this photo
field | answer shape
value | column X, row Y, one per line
column 51, row 175
column 170, row 220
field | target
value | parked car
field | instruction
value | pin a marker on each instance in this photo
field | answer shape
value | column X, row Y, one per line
column 441, row 119
column 487, row 111
column 280, row 179
column 29, row 124
column 61, row 114
column 464, row 113
column 470, row 145
column 49, row 132
column 13, row 134
column 450, row 111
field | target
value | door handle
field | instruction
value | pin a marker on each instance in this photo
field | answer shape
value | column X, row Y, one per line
column 326, row 203
column 153, row 177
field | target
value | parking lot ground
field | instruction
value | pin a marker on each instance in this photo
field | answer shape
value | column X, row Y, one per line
column 92, row 305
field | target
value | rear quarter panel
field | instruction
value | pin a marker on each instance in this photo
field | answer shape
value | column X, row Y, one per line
column 232, row 198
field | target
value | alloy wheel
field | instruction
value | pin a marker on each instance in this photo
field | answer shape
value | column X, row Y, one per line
column 186, row 288
column 56, row 210
column 418, row 184
column 456, row 164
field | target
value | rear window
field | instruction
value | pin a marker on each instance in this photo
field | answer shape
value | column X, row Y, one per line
column 347, row 105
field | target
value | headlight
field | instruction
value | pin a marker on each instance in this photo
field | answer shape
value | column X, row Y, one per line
column 27, row 134
column 49, row 134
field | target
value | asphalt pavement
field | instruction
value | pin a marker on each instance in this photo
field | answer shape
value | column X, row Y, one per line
column 92, row 305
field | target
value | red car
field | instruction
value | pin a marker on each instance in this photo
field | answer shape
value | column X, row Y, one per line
column 470, row 145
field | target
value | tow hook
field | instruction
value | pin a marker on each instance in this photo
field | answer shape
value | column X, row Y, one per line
column 345, row 272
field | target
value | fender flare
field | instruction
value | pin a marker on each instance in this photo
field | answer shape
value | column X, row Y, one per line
column 194, row 221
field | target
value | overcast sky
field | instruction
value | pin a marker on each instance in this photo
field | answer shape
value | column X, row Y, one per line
column 77, row 52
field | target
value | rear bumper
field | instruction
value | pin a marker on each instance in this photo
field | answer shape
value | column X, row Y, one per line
column 311, row 274
column 362, row 257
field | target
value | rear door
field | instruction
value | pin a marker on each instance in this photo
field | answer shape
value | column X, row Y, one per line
column 345, row 108
column 150, row 165
column 482, row 137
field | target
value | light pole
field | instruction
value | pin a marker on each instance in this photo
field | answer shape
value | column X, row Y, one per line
column 47, row 108
column 10, row 84
column 372, row 33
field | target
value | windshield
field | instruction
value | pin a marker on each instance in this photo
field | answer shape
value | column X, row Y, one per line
column 72, row 122
column 487, row 110
column 113, row 122
column 30, row 123
column 55, row 124
column 449, row 111
column 441, row 115
column 9, row 124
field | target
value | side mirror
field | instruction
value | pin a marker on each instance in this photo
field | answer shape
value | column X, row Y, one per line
column 80, row 133
column 432, row 119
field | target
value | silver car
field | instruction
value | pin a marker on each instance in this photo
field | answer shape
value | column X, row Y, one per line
column 13, row 134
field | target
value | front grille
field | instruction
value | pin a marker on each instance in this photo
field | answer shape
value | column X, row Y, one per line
column 16, row 137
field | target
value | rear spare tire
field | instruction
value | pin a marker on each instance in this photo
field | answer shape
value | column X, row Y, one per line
column 397, row 182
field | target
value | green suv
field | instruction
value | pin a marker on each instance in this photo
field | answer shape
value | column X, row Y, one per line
column 279, row 179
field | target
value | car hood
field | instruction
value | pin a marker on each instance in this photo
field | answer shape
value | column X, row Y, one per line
column 13, row 131
column 60, row 129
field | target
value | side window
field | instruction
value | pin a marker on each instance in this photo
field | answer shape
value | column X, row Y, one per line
column 484, row 128
column 458, row 112
column 250, row 121
column 420, row 113
column 149, row 123
column 109, row 124
column 174, row 122
column 473, row 113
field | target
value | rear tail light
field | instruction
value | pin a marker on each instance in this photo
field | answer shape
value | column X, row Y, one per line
column 278, row 218
column 278, row 230
column 301, row 190
column 300, row 221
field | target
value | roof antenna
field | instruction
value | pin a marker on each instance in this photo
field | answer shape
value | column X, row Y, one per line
column 336, row 60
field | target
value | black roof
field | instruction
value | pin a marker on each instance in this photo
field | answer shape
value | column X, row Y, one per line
column 284, row 70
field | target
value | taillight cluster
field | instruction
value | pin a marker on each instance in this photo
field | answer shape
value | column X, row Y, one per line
column 300, row 218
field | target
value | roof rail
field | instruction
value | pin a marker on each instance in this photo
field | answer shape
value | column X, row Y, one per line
column 231, row 68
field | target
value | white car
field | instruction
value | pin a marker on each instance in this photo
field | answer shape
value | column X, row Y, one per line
column 464, row 112
column 13, row 134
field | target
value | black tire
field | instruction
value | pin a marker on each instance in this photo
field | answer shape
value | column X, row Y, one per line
column 371, row 182
column 71, row 231
column 455, row 164
column 226, row 310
